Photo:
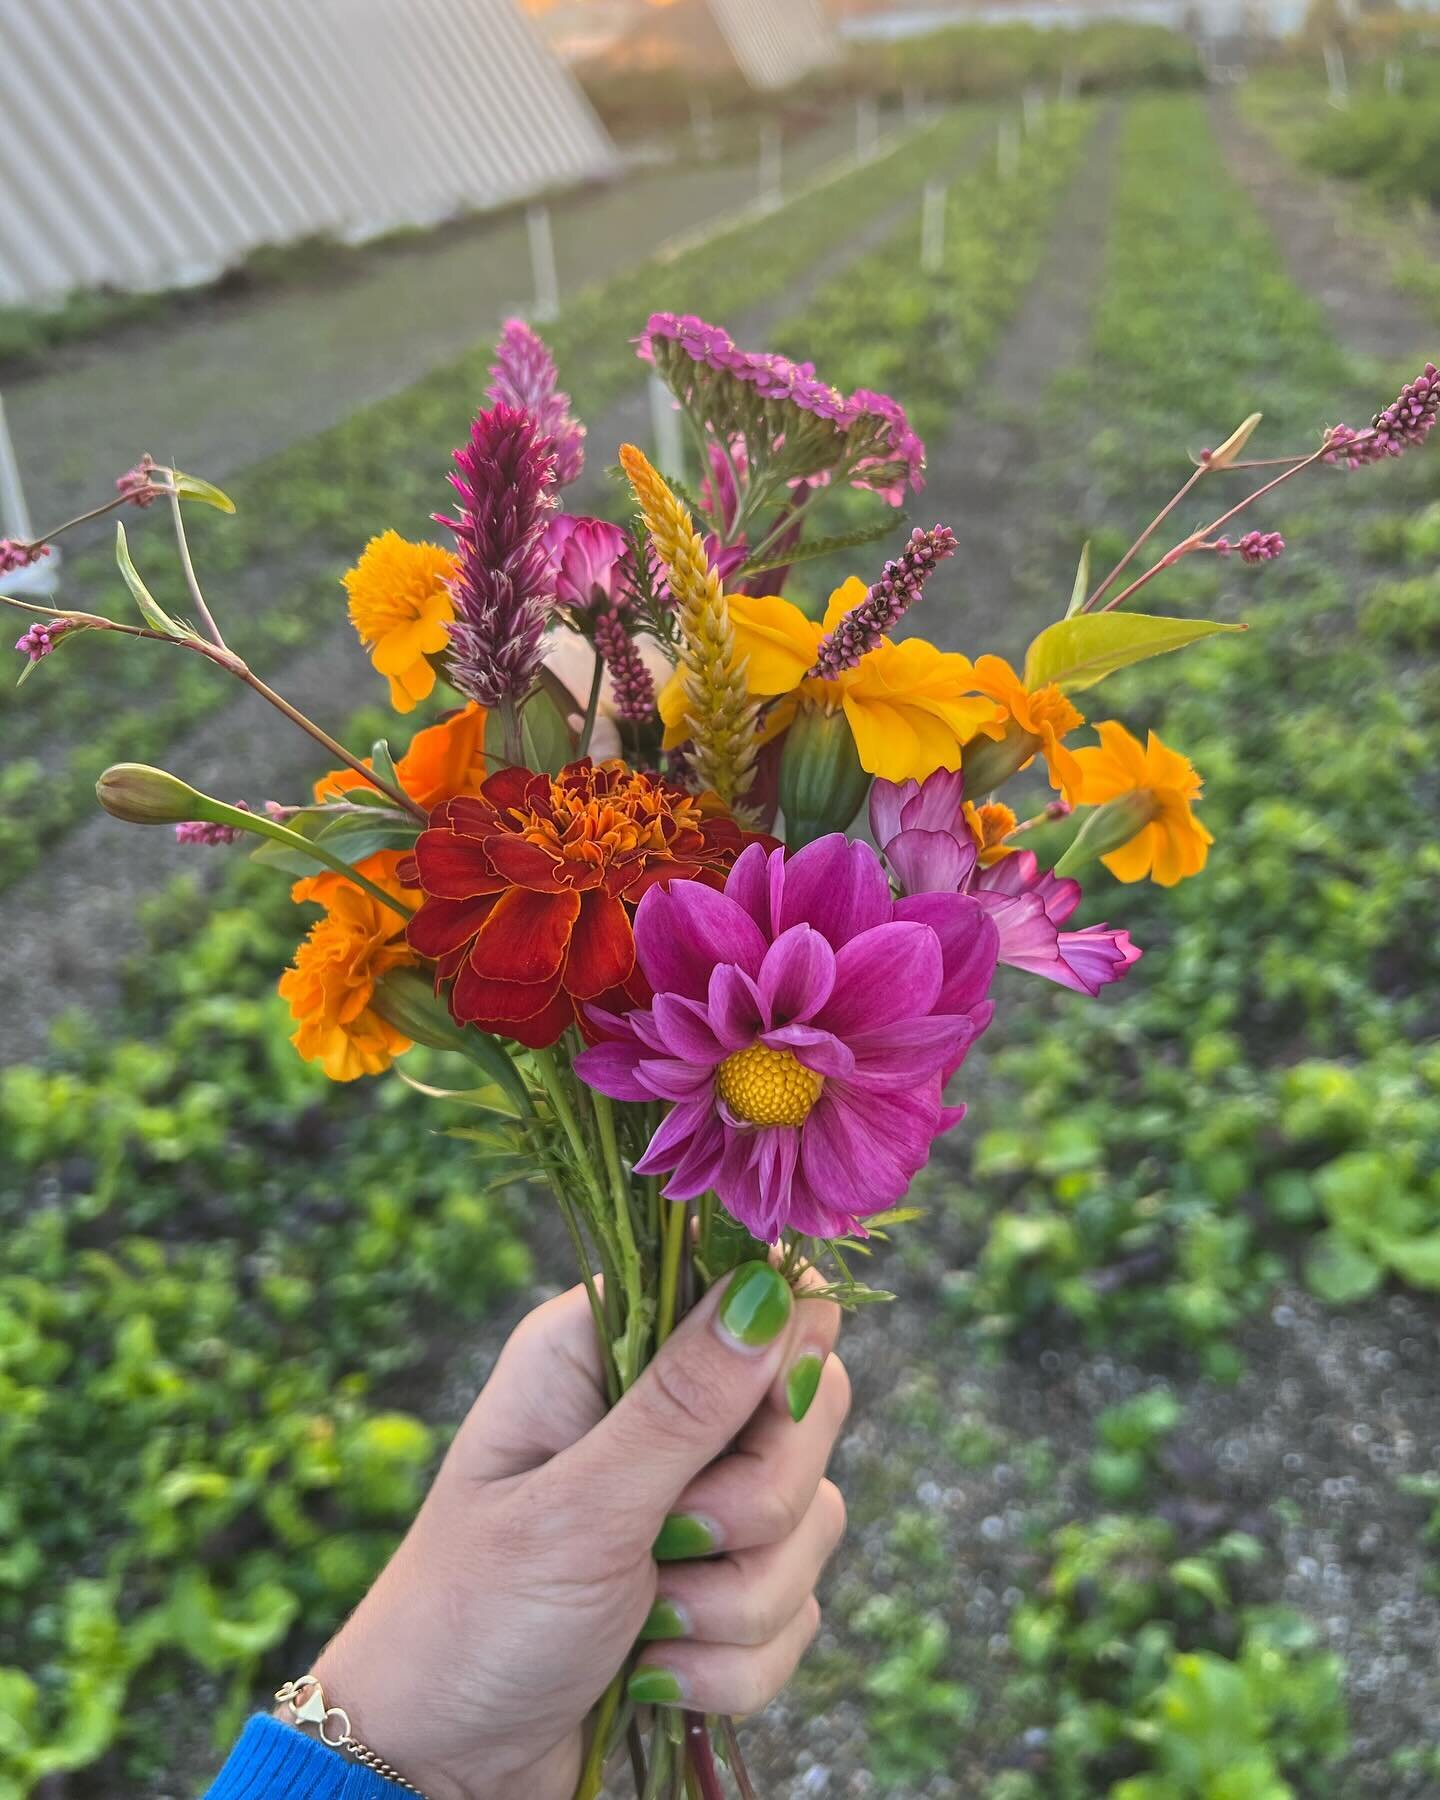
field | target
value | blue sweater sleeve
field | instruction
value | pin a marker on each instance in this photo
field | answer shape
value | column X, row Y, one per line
column 276, row 1762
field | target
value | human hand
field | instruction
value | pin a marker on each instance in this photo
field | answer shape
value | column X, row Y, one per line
column 531, row 1571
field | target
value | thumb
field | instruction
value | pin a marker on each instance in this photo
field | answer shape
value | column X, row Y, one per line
column 695, row 1397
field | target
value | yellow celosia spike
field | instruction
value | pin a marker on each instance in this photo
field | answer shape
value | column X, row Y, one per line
column 721, row 715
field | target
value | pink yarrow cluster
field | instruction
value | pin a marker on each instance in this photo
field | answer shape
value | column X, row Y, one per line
column 42, row 637
column 901, row 583
column 524, row 375
column 897, row 461
column 1403, row 425
column 505, row 586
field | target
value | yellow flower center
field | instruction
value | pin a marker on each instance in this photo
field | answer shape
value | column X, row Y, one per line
column 768, row 1087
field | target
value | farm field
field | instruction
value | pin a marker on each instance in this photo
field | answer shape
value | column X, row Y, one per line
column 1144, row 1467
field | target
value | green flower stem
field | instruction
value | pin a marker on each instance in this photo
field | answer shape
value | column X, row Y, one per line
column 592, row 707
column 592, row 1776
column 218, row 813
column 674, row 1228
column 631, row 1273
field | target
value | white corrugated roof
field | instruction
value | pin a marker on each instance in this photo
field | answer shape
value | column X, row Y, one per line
column 775, row 42
column 146, row 146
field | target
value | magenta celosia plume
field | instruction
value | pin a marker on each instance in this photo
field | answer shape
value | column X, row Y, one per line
column 803, row 1026
column 504, row 587
column 922, row 829
column 524, row 375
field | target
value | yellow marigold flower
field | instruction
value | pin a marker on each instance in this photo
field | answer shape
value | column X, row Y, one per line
column 909, row 706
column 991, row 825
column 1043, row 718
column 720, row 716
column 1172, row 843
column 330, row 987
column 401, row 608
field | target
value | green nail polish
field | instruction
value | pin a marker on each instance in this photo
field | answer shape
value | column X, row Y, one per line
column 654, row 1687
column 681, row 1537
column 664, row 1622
column 757, row 1305
column 802, row 1382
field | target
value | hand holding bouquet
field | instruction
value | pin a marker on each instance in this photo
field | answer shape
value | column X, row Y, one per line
column 614, row 881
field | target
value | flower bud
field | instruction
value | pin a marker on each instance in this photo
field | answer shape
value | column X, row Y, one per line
column 1108, row 828
column 144, row 796
column 989, row 762
column 1233, row 445
column 822, row 785
column 406, row 999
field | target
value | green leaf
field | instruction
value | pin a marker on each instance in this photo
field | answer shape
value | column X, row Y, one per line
column 354, row 838
column 1081, row 586
column 191, row 487
column 1338, row 1271
column 822, row 546
column 1078, row 652
column 151, row 611
column 383, row 763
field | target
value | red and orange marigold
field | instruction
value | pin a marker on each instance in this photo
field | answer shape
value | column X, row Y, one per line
column 531, row 887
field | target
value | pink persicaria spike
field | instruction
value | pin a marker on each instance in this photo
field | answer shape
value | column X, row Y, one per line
column 1403, row 425
column 505, row 585
column 1260, row 546
column 203, row 831
column 900, row 585
column 136, row 486
column 524, row 375
column 632, row 681
column 15, row 555
column 42, row 637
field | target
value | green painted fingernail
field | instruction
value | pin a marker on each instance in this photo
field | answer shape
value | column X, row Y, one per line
column 801, row 1383
column 683, row 1536
column 757, row 1305
column 664, row 1622
column 654, row 1687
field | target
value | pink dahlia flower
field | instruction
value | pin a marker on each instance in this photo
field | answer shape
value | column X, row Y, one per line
column 803, row 1026
column 922, row 829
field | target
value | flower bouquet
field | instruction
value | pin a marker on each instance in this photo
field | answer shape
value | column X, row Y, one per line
column 619, row 881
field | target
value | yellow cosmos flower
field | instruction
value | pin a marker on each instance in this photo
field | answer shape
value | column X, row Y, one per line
column 1042, row 717
column 1172, row 843
column 909, row 706
column 401, row 608
column 330, row 988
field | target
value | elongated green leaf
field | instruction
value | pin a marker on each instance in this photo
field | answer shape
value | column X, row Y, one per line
column 822, row 546
column 151, row 611
column 1078, row 652
column 355, row 837
column 191, row 487
column 383, row 763
column 1081, row 585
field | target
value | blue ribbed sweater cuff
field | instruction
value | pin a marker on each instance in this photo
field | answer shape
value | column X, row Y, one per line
column 276, row 1762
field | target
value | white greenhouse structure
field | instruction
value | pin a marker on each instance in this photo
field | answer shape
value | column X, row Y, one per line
column 147, row 146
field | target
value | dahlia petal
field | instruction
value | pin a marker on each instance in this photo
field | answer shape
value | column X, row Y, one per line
column 685, row 1029
column 525, row 936
column 887, row 973
column 684, row 929
column 950, row 1117
column 913, row 1050
column 602, row 946
column 819, row 1050
column 455, row 868
column 887, row 804
column 883, row 1137
column 610, row 1068
column 439, row 926
column 1020, row 873
column 938, row 804
column 969, row 945
column 1028, row 939
column 1092, row 958
column 611, row 1024
column 797, row 974
column 844, row 1161
column 774, row 1169
column 668, row 1078
column 699, row 1168
column 930, row 862
column 836, row 885
column 736, row 1007
column 748, row 884
column 672, row 1137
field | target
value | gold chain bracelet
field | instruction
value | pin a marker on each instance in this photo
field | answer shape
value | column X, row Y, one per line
column 308, row 1706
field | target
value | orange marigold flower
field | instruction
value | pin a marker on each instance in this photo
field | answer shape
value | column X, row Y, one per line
column 990, row 825
column 531, row 887
column 1043, row 717
column 330, row 988
column 401, row 608
column 1172, row 843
